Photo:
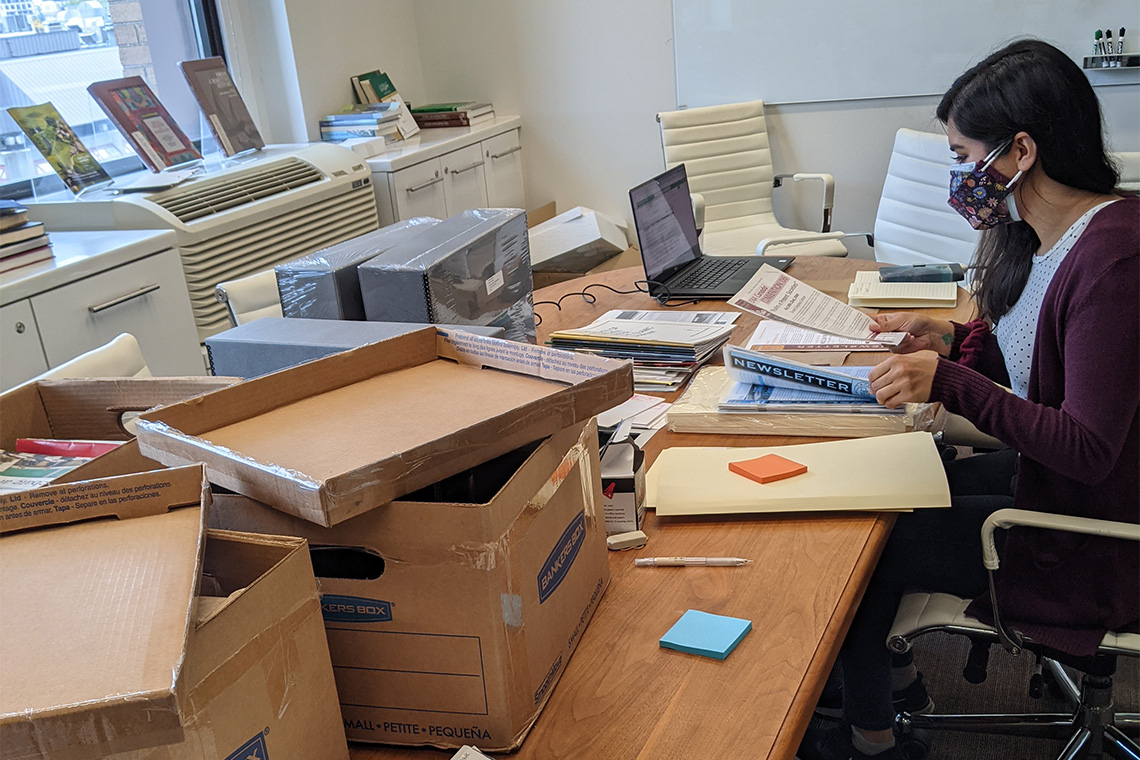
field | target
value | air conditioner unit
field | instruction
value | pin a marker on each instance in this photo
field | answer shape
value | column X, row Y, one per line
column 287, row 202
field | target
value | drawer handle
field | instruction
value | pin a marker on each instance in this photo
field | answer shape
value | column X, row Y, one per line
column 429, row 183
column 515, row 149
column 123, row 298
column 475, row 165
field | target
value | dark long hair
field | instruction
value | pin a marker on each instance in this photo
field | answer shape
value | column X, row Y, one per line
column 1028, row 86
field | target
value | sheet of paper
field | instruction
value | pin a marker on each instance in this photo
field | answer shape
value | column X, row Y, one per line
column 771, row 335
column 628, row 409
column 775, row 295
column 887, row 472
column 868, row 288
column 696, row 317
column 633, row 331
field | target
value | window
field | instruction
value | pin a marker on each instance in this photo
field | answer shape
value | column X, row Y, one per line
column 50, row 50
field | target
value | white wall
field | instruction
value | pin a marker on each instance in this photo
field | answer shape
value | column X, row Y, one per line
column 292, row 59
column 588, row 79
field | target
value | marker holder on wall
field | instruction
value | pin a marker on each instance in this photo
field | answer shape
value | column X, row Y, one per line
column 1105, row 62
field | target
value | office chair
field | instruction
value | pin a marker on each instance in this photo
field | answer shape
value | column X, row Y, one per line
column 729, row 164
column 249, row 298
column 1129, row 163
column 1092, row 726
column 121, row 357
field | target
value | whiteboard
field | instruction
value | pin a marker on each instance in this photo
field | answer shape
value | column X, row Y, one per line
column 792, row 51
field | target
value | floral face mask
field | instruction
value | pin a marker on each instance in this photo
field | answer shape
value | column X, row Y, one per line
column 982, row 194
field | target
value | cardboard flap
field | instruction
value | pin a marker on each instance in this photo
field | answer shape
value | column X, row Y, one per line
column 96, row 614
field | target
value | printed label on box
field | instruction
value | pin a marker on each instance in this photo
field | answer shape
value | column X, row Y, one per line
column 254, row 749
column 495, row 283
column 336, row 608
column 561, row 558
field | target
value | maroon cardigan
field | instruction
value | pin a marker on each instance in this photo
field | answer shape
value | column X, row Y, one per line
column 1078, row 436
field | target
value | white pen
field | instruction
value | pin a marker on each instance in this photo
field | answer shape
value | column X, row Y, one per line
column 691, row 562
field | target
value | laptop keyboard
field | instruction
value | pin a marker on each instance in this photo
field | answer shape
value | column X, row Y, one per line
column 708, row 272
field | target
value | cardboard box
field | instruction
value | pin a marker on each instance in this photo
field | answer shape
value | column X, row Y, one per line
column 623, row 486
column 97, row 613
column 112, row 649
column 630, row 257
column 450, row 623
column 324, row 285
column 93, row 409
column 575, row 241
column 369, row 425
column 270, row 344
column 470, row 269
column 258, row 681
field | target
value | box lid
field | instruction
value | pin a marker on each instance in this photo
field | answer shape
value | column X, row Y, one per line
column 339, row 436
column 96, row 612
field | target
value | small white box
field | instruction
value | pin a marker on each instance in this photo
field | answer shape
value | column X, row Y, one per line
column 575, row 241
column 623, row 486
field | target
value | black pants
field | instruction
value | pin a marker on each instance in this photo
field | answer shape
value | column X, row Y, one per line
column 936, row 550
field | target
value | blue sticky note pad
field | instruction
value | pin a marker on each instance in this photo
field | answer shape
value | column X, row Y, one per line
column 706, row 634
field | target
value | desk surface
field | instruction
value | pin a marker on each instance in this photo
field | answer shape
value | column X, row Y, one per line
column 621, row 695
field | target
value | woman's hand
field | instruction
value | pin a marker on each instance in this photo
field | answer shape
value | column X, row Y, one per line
column 924, row 333
column 904, row 378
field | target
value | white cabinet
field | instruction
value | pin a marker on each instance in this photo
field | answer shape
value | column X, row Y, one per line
column 20, row 345
column 98, row 285
column 441, row 172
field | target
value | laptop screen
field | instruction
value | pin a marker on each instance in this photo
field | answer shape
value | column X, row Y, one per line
column 666, row 230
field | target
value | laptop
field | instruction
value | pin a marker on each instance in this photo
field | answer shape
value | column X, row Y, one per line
column 667, row 236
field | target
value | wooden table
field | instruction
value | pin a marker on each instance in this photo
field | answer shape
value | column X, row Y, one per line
column 621, row 695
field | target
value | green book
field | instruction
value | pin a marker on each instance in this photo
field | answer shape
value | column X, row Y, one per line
column 60, row 146
column 468, row 105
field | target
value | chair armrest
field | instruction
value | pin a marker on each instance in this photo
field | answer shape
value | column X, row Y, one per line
column 1008, row 518
column 698, row 202
column 828, row 191
column 808, row 237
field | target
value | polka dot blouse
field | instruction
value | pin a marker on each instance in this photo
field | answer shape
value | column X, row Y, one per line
column 1017, row 329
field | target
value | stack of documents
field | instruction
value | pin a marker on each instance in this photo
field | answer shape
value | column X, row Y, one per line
column 666, row 347
column 868, row 291
column 643, row 413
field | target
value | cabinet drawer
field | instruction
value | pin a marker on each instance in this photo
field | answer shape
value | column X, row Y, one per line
column 465, row 187
column 20, row 343
column 503, row 166
column 146, row 298
column 418, row 190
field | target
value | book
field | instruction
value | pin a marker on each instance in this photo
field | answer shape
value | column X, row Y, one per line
column 470, row 107
column 889, row 472
column 222, row 105
column 20, row 472
column 869, row 291
column 135, row 110
column 26, row 231
column 454, row 121
column 60, row 146
column 42, row 252
column 11, row 249
column 12, row 214
column 377, row 87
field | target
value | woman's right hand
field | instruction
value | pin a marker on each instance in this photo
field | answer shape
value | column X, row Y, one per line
column 923, row 333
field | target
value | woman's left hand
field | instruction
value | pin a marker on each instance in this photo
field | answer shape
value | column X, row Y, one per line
column 903, row 378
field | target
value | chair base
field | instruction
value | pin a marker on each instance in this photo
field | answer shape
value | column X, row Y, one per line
column 1092, row 727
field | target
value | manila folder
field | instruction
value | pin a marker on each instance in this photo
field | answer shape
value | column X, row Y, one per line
column 888, row 472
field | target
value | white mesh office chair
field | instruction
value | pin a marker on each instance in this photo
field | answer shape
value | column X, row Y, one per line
column 250, row 298
column 914, row 224
column 729, row 165
column 121, row 357
column 1092, row 726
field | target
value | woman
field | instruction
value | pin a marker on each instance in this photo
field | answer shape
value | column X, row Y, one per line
column 1057, row 291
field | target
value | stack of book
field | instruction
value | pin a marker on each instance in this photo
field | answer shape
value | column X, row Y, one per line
column 21, row 242
column 376, row 120
column 666, row 347
column 375, row 87
column 464, row 114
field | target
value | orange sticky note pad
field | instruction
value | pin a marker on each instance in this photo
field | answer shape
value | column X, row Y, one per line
column 767, row 468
